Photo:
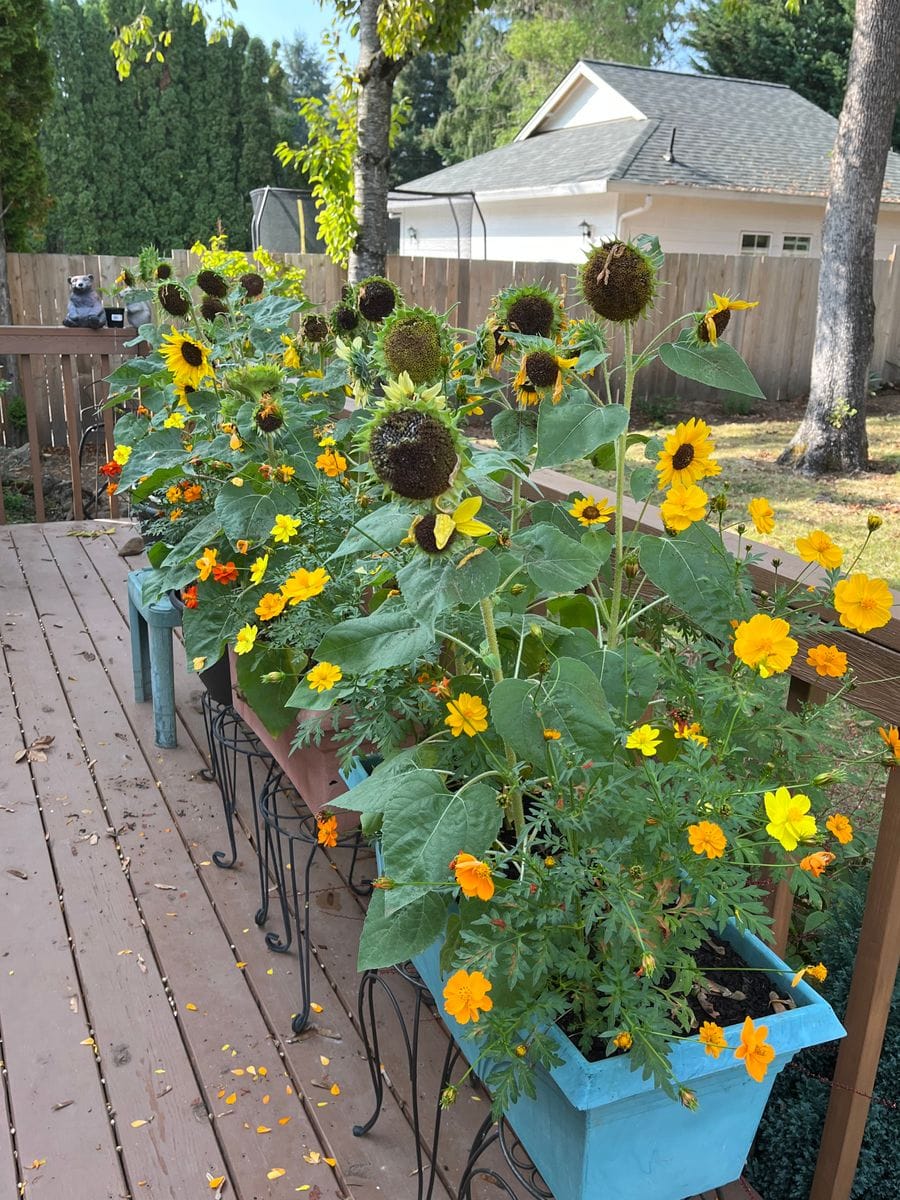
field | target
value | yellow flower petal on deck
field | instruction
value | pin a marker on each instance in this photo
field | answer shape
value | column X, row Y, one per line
column 335, row 1090
column 263, row 1129
column 137, row 1124
column 313, row 1157
column 276, row 1173
column 232, row 1099
column 191, row 1007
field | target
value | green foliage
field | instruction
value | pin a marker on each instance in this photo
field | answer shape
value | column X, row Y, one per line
column 718, row 366
column 24, row 98
column 422, row 95
column 800, row 1095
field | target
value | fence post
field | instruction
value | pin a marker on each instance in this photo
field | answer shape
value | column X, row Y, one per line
column 34, row 446
column 871, row 990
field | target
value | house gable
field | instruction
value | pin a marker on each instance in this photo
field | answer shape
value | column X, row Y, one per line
column 582, row 98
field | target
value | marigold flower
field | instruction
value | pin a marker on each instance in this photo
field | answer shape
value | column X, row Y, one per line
column 707, row 838
column 552, row 735
column 111, row 470
column 270, row 606
column 763, row 643
column 324, row 676
column 817, row 862
column 827, row 661
column 712, row 1037
column 466, row 996
column 285, row 473
column 174, row 420
column 121, row 455
column 819, row 548
column 521, row 1050
column 761, row 514
column 789, row 819
column 206, row 562
column 331, row 463
column 327, row 831
column 468, row 715
column 690, row 732
column 840, row 827
column 176, row 514
column 193, row 493
column 111, row 489
column 891, row 738
column 473, row 876
column 863, row 603
column 173, row 494
column 816, row 971
column 755, row 1050
column 258, row 568
column 285, row 528
column 189, row 596
column 225, row 573
column 303, row 584
column 686, row 456
column 440, row 687
column 623, row 1040
column 587, row 511
column 683, row 506
column 242, row 545
column 245, row 639
column 645, row 738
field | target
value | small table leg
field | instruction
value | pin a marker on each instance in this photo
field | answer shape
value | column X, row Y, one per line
column 163, row 684
column 140, row 652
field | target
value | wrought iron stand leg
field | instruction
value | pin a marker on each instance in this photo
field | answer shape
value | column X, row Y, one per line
column 280, row 943
column 225, row 767
column 364, row 888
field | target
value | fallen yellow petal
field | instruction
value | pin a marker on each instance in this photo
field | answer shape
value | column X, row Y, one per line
column 220, row 1093
column 276, row 1173
column 137, row 1124
column 231, row 1099
column 283, row 1120
column 263, row 1071
column 251, row 1070
column 266, row 1098
column 88, row 1042
column 38, row 1162
column 227, row 1046
column 217, row 1182
column 237, row 1070
column 323, row 1060
column 313, row 1157
column 335, row 1090
column 191, row 1007
column 270, row 971
column 240, row 965
column 317, row 1008
column 288, row 1091
column 263, row 1129
column 332, row 1162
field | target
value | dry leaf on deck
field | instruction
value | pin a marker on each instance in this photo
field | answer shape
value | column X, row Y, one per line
column 36, row 752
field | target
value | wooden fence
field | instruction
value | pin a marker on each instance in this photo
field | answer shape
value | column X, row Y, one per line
column 776, row 339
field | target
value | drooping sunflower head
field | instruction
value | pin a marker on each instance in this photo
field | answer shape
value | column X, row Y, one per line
column 376, row 298
column 414, row 449
column 415, row 341
column 212, row 307
column 618, row 280
column 314, row 328
column 164, row 271
column 252, row 283
column 270, row 415
column 423, row 531
column 187, row 359
column 212, row 283
column 532, row 309
column 125, row 279
column 541, row 370
column 344, row 319
column 713, row 323
column 174, row 299
column 255, row 382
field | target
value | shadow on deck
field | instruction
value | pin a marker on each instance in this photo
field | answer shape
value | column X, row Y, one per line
column 145, row 1028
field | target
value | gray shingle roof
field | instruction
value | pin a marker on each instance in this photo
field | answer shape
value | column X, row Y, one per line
column 732, row 134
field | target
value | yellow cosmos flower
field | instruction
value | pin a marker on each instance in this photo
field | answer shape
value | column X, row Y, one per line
column 121, row 455
column 258, row 568
column 174, row 420
column 623, row 1040
column 331, row 463
column 721, row 304
column 473, row 876
column 707, row 838
column 187, row 359
column 270, row 605
column 686, row 456
column 828, row 661
column 819, row 548
column 176, row 514
column 712, row 1038
column 303, row 585
column 763, row 643
column 199, row 663
column 683, row 506
column 552, row 735
column 285, row 528
column 285, row 473
column 790, row 821
column 816, row 971
column 891, row 738
column 863, row 603
column 206, row 562
column 324, row 676
column 840, row 827
column 245, row 639
column 461, row 520
column 761, row 514
column 588, row 511
column 645, row 738
column 173, row 494
column 468, row 715
column 466, row 996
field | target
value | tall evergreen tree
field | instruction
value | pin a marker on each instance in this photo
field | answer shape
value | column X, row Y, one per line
column 483, row 82
column 423, row 89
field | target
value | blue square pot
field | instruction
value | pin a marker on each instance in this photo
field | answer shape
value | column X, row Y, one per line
column 597, row 1130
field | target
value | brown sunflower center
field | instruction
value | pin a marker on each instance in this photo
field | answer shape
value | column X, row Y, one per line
column 683, row 456
column 720, row 320
column 591, row 512
column 541, row 368
column 192, row 354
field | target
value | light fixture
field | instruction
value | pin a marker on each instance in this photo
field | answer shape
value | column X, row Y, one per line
column 587, row 231
column 412, row 234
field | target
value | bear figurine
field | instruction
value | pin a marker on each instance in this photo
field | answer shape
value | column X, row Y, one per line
column 85, row 309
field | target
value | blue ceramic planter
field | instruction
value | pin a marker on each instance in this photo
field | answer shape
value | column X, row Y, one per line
column 597, row 1131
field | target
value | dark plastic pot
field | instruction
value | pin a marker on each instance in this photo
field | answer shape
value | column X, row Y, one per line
column 215, row 678
column 115, row 317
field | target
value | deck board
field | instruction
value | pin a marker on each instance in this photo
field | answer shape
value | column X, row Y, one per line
column 75, row 660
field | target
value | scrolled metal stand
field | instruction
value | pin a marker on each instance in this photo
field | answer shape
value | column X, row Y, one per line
column 525, row 1174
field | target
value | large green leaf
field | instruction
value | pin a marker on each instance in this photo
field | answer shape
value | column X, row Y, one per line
column 246, row 514
column 268, row 700
column 573, row 430
column 629, row 682
column 389, row 637
column 163, row 449
column 515, row 430
column 558, row 563
column 205, row 632
column 515, row 718
column 371, row 797
column 718, row 366
column 391, row 938
column 421, row 837
column 698, row 574
column 382, row 529
column 576, row 705
column 194, row 542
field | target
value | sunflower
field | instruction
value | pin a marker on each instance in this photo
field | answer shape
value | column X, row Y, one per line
column 187, row 359
column 686, row 456
column 618, row 281
column 533, row 310
column 314, row 328
column 376, row 298
column 716, row 318
column 174, row 299
column 541, row 370
column 412, row 340
column 413, row 452
column 588, row 511
column 435, row 531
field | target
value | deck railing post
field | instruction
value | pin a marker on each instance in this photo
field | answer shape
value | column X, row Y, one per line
column 73, row 433
column 28, row 393
column 868, row 1006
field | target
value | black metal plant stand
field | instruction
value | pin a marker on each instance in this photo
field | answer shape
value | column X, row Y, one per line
column 523, row 1171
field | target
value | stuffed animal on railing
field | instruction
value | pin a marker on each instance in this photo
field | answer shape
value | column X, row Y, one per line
column 85, row 309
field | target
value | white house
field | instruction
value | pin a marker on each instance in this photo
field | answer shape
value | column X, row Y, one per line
column 708, row 164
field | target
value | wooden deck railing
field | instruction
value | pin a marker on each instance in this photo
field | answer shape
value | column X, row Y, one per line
column 65, row 346
column 875, row 658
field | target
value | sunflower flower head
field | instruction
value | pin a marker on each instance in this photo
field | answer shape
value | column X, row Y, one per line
column 314, row 328
column 686, row 456
column 376, row 298
column 435, row 531
column 186, row 358
column 414, row 449
column 413, row 340
column 715, row 320
column 618, row 281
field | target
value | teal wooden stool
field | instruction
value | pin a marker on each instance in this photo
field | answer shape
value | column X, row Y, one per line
column 151, row 655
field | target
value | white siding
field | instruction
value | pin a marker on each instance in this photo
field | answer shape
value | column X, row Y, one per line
column 588, row 103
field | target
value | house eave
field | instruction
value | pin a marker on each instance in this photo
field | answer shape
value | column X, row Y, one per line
column 580, row 71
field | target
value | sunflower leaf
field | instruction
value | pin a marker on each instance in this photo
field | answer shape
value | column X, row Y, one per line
column 574, row 430
column 718, row 366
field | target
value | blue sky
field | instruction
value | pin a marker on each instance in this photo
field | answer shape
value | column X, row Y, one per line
column 279, row 20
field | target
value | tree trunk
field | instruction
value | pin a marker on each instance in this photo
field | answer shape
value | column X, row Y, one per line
column 832, row 435
column 371, row 166
column 9, row 364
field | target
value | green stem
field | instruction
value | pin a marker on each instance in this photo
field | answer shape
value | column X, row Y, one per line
column 490, row 632
column 515, row 504
column 621, row 448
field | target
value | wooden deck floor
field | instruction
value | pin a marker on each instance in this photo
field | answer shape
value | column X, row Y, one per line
column 144, row 1026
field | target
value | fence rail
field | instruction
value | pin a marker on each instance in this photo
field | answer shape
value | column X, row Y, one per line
column 776, row 339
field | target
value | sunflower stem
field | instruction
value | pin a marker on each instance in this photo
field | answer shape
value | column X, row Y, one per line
column 621, row 448
column 515, row 504
column 516, row 808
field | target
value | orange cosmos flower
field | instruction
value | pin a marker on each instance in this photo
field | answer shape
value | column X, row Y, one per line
column 326, row 831
column 712, row 1037
column 683, row 506
column 242, row 545
column 755, row 1050
column 817, row 862
column 707, row 838
column 840, row 827
column 473, row 876
column 466, row 996
column 303, row 584
column 192, row 492
column 828, row 661
column 331, row 463
column 468, row 715
column 225, row 572
column 763, row 643
column 270, row 606
column 891, row 738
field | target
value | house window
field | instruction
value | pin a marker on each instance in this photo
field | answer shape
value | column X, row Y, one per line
column 755, row 243
column 796, row 243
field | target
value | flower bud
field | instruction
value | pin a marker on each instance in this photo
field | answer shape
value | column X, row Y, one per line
column 449, row 1095
column 535, row 630
column 630, row 566
column 517, row 589
column 826, row 777
column 688, row 1098
column 273, row 677
column 873, row 522
column 648, row 962
column 719, row 503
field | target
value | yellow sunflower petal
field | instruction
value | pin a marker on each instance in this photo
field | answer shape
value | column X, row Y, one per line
column 465, row 510
column 444, row 526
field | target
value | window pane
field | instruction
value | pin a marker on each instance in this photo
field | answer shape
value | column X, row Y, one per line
column 754, row 243
column 796, row 243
